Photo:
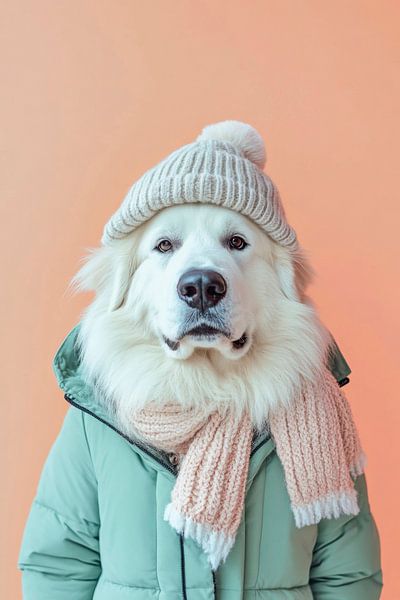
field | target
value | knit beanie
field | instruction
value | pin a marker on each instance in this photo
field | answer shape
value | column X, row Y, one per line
column 224, row 166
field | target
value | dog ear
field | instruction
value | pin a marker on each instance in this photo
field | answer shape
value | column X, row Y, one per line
column 120, row 279
column 294, row 272
column 106, row 270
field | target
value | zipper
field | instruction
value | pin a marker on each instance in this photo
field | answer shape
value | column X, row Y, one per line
column 254, row 450
column 183, row 574
column 166, row 465
column 130, row 440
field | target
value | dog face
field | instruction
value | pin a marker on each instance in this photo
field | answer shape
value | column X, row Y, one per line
column 205, row 276
column 198, row 305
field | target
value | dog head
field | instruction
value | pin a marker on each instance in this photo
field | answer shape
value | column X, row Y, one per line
column 190, row 293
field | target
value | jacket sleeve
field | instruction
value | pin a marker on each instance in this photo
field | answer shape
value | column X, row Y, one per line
column 346, row 559
column 59, row 555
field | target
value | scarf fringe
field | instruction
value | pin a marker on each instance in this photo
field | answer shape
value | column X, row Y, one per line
column 333, row 505
column 216, row 544
column 328, row 507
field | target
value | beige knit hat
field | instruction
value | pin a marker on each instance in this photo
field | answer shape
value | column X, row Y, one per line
column 224, row 166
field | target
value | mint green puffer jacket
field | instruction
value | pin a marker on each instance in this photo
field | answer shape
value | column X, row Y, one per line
column 96, row 529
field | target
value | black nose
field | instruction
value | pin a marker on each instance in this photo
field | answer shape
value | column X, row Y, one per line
column 201, row 289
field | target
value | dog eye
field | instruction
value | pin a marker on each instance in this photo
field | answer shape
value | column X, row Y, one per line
column 164, row 246
column 236, row 242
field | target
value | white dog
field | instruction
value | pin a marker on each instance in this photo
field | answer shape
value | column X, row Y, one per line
column 200, row 307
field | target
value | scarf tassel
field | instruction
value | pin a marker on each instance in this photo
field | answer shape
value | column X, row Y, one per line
column 216, row 544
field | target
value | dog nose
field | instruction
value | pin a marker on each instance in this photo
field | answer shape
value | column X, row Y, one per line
column 201, row 289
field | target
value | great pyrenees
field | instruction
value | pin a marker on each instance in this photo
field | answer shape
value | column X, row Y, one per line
column 198, row 306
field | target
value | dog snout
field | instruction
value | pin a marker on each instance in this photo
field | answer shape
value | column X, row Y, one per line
column 201, row 289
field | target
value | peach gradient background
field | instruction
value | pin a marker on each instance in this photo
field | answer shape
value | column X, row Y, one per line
column 94, row 93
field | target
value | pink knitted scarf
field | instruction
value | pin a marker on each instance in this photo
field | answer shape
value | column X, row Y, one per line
column 316, row 441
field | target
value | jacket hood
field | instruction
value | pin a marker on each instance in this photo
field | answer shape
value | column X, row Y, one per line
column 67, row 369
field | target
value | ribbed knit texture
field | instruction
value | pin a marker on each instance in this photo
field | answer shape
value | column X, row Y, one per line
column 223, row 167
column 316, row 441
column 318, row 445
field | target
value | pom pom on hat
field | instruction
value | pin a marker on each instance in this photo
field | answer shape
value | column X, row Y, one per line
column 241, row 135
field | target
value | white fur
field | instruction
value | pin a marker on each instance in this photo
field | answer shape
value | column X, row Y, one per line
column 123, row 353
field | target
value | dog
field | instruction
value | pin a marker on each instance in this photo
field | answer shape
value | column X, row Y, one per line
column 198, row 306
column 201, row 305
